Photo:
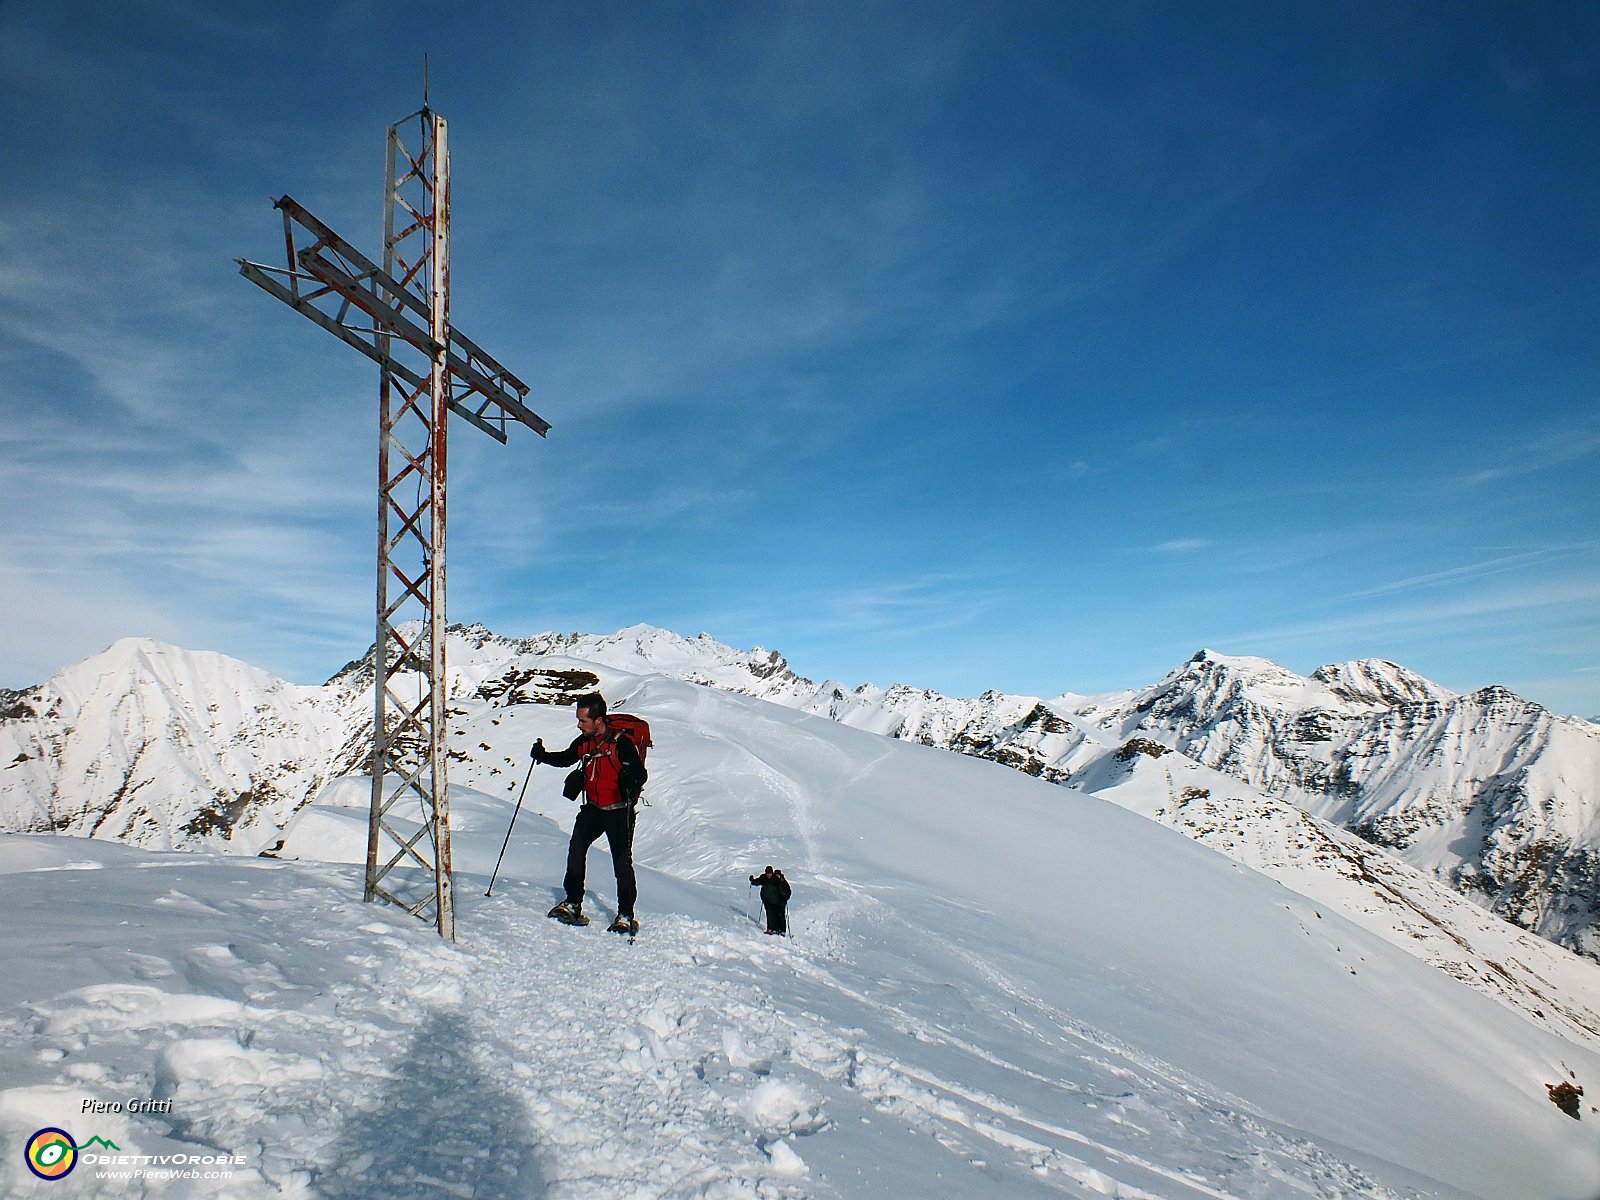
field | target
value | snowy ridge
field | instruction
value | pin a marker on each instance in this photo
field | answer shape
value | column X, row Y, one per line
column 1185, row 1028
column 1495, row 796
column 163, row 748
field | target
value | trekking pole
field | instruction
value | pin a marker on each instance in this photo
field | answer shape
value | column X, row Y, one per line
column 507, row 842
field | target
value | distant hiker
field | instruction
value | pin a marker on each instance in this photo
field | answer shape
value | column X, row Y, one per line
column 610, row 777
column 774, row 898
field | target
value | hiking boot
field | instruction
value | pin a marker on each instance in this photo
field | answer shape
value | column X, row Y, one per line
column 622, row 924
column 569, row 913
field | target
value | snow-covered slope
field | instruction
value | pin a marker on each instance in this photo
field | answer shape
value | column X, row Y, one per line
column 1383, row 894
column 165, row 748
column 161, row 747
column 998, row 988
column 1493, row 795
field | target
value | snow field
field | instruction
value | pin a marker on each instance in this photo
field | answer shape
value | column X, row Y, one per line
column 643, row 1075
column 342, row 1054
column 729, row 1040
column 998, row 990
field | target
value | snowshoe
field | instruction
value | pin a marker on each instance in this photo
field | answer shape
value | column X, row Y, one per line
column 622, row 924
column 568, row 913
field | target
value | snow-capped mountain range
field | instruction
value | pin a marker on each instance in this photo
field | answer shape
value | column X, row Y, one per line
column 1363, row 786
column 1494, row 796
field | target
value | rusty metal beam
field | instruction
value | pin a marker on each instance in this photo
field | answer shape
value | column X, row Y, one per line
column 403, row 308
column 262, row 277
column 336, row 283
column 468, row 361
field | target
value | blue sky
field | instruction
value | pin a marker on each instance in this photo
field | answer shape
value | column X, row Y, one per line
column 1011, row 345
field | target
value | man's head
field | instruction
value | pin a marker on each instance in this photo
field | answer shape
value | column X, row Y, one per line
column 591, row 714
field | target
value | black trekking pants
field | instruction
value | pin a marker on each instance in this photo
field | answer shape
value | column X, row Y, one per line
column 617, row 825
column 777, row 918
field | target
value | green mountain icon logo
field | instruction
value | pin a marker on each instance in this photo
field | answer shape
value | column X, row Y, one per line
column 98, row 1141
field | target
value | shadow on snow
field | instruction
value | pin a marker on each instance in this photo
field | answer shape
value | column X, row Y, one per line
column 439, row 1127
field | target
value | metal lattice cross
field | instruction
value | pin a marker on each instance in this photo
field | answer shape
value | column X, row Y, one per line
column 399, row 316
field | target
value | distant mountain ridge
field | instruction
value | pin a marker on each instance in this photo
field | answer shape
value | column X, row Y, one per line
column 1491, row 794
column 1484, row 794
column 165, row 748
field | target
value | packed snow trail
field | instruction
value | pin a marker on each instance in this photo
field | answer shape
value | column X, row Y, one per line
column 634, row 1074
column 341, row 1051
column 697, row 1061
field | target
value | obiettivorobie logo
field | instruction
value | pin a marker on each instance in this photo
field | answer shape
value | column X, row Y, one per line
column 52, row 1154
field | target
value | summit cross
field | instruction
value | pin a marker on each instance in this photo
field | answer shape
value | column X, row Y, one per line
column 398, row 315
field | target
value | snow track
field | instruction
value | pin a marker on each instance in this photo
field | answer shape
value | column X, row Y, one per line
column 342, row 1052
column 641, row 1076
column 700, row 1043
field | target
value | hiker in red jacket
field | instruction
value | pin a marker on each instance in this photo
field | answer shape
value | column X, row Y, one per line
column 610, row 776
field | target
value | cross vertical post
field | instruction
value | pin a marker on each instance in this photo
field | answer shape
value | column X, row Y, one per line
column 410, row 755
column 399, row 316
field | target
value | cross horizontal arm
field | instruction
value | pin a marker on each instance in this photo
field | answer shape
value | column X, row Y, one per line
column 370, row 300
column 463, row 357
column 381, row 298
column 363, row 340
column 366, row 341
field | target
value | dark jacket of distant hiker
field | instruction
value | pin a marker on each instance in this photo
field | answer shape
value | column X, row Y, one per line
column 775, row 894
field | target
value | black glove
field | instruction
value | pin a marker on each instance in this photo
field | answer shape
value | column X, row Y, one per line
column 631, row 780
column 537, row 753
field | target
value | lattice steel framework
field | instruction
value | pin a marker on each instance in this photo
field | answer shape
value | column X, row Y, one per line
column 399, row 316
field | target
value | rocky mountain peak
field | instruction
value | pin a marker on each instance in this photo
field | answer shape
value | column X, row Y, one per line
column 1210, row 687
column 1503, row 702
column 1377, row 682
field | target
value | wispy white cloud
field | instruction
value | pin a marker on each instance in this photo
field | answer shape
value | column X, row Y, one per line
column 116, row 528
column 1548, row 450
column 1574, row 597
column 1501, row 565
column 905, row 608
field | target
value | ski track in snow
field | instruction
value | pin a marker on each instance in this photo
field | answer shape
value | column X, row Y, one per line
column 1133, row 1083
column 700, row 1060
column 709, row 1056
column 797, row 804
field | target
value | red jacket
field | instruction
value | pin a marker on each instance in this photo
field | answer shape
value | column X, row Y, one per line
column 612, row 772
